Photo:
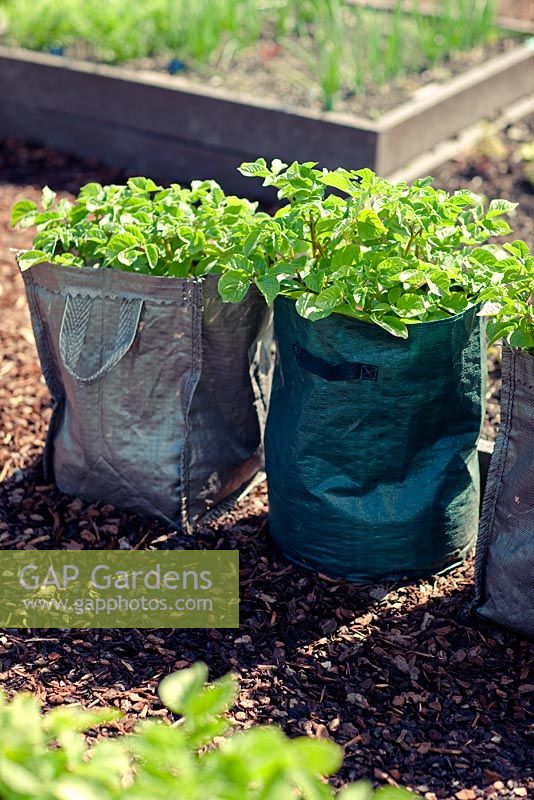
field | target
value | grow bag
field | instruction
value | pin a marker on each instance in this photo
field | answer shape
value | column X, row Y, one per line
column 160, row 390
column 505, row 552
column 371, row 444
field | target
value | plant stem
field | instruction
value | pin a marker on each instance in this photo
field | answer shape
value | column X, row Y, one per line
column 414, row 232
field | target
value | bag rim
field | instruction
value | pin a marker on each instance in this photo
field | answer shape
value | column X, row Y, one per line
column 353, row 322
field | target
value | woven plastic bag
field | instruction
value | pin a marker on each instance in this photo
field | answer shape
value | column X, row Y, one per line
column 160, row 390
column 371, row 444
column 505, row 551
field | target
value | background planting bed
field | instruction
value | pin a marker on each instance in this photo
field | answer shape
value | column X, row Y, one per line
column 155, row 124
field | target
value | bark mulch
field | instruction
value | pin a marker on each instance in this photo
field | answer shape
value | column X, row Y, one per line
column 417, row 691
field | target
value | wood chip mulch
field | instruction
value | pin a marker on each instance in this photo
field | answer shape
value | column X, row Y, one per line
column 417, row 691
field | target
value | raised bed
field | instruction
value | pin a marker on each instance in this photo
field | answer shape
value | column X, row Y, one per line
column 160, row 125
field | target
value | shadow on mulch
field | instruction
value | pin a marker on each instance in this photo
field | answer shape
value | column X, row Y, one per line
column 415, row 689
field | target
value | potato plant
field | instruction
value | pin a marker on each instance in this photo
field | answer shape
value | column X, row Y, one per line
column 140, row 227
column 46, row 757
column 345, row 242
column 390, row 254
column 509, row 298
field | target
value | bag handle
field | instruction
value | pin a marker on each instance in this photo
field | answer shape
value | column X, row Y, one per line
column 345, row 371
column 74, row 325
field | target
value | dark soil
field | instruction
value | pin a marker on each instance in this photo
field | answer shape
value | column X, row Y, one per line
column 276, row 73
column 417, row 691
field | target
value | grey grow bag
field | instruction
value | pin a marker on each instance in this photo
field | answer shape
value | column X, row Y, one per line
column 160, row 390
column 505, row 552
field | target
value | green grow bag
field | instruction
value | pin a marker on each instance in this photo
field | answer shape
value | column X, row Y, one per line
column 371, row 444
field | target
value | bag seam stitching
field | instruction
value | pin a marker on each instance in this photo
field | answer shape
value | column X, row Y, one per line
column 494, row 486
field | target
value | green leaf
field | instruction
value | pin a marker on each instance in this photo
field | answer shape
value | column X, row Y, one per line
column 465, row 199
column 178, row 690
column 68, row 260
column 152, row 255
column 358, row 791
column 277, row 166
column 29, row 258
column 143, row 185
column 421, row 183
column 346, row 256
column 438, row 282
column 499, row 207
column 329, row 298
column 264, row 749
column 523, row 336
column 389, row 270
column 411, row 305
column 394, row 793
column 120, row 242
column 21, row 781
column 367, row 177
column 76, row 789
column 413, row 278
column 22, row 209
column 337, row 181
column 127, row 257
column 499, row 330
column 251, row 242
column 370, row 226
column 455, row 302
column 269, row 287
column 320, row 757
column 484, row 256
column 391, row 324
column 135, row 231
column 310, row 787
column 214, row 699
column 307, row 307
column 517, row 248
column 314, row 280
column 254, row 169
column 497, row 227
column 71, row 719
column 91, row 190
column 47, row 198
column 233, row 286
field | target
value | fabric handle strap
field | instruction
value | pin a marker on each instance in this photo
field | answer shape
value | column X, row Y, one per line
column 345, row 371
column 74, row 326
